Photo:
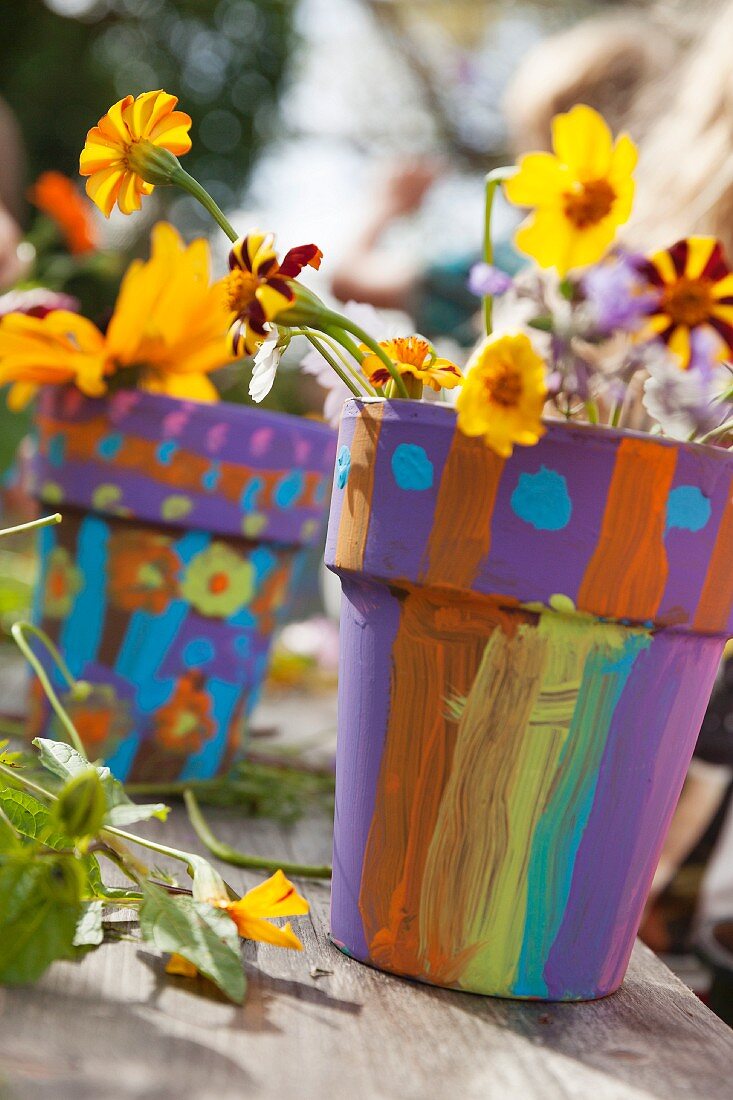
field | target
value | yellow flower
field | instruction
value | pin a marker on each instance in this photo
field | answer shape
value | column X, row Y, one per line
column 581, row 193
column 52, row 350
column 169, row 320
column 412, row 355
column 121, row 152
column 181, row 967
column 260, row 287
column 503, row 394
column 275, row 897
column 695, row 291
column 167, row 333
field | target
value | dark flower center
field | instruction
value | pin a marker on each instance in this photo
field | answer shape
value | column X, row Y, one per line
column 241, row 287
column 589, row 203
column 688, row 301
column 504, row 388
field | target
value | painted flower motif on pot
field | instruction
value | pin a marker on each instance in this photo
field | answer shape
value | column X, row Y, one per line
column 64, row 580
column 503, row 394
column 581, row 192
column 415, row 357
column 102, row 718
column 143, row 571
column 218, row 582
column 185, row 722
column 260, row 287
column 694, row 291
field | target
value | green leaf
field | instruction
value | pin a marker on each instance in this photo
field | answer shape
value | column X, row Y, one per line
column 89, row 929
column 34, row 820
column 66, row 763
column 39, row 912
column 205, row 936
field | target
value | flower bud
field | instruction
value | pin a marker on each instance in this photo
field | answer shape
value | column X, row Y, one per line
column 153, row 163
column 81, row 806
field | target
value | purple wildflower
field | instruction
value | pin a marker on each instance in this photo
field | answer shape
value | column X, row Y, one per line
column 487, row 281
column 616, row 295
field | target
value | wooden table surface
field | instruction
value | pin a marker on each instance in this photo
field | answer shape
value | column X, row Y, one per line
column 114, row 1025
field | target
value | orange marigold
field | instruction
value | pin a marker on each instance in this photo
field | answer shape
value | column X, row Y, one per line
column 55, row 195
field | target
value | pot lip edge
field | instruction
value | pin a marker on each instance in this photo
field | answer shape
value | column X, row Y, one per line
column 554, row 428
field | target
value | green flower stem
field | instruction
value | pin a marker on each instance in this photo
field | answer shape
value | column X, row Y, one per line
column 335, row 323
column 493, row 180
column 188, row 183
column 345, row 343
column 722, row 429
column 47, row 521
column 333, row 364
column 240, row 859
column 19, row 630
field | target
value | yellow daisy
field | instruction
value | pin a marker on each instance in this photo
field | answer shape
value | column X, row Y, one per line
column 118, row 147
column 503, row 394
column 52, row 350
column 581, row 192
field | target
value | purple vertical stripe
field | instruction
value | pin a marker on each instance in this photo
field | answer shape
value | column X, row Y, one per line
column 370, row 618
column 650, row 743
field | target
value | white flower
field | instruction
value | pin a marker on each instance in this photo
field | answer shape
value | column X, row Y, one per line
column 314, row 364
column 683, row 402
column 267, row 360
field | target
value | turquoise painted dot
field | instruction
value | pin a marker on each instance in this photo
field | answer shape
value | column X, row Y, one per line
column 542, row 500
column 687, row 509
column 412, row 468
column 289, row 488
column 110, row 445
column 343, row 466
column 322, row 489
column 210, row 479
column 57, row 449
column 243, row 645
column 199, row 651
column 165, row 451
column 248, row 499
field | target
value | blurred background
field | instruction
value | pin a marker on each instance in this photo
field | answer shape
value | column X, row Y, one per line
column 367, row 126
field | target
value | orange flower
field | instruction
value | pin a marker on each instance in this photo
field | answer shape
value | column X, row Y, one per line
column 185, row 722
column 414, row 356
column 123, row 151
column 142, row 571
column 56, row 196
column 275, row 897
column 52, row 350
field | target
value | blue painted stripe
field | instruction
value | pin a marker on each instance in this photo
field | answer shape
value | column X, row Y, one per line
column 81, row 633
column 205, row 763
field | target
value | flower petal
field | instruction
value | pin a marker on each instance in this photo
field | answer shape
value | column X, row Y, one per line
column 103, row 188
column 582, row 140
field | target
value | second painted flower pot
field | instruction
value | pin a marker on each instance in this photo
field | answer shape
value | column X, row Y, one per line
column 185, row 527
column 528, row 648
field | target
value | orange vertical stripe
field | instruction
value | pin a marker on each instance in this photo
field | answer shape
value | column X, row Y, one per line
column 716, row 599
column 627, row 574
column 356, row 507
column 461, row 533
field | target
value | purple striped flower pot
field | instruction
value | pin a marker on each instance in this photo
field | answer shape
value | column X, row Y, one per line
column 528, row 648
column 185, row 528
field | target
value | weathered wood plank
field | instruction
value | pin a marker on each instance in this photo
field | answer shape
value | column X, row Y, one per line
column 114, row 1026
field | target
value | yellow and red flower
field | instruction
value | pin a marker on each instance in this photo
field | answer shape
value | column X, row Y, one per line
column 581, row 192
column 275, row 897
column 414, row 356
column 143, row 571
column 117, row 150
column 260, row 287
column 185, row 722
column 694, row 287
column 55, row 195
column 504, row 394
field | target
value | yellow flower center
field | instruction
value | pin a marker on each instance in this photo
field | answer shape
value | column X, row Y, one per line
column 688, row 301
column 589, row 203
column 241, row 287
column 504, row 387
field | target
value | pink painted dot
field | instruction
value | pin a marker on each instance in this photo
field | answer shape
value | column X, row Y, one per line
column 260, row 441
column 122, row 404
column 175, row 422
column 302, row 450
column 216, row 437
column 73, row 400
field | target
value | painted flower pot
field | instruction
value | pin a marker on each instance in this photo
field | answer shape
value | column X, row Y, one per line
column 185, row 527
column 528, row 648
